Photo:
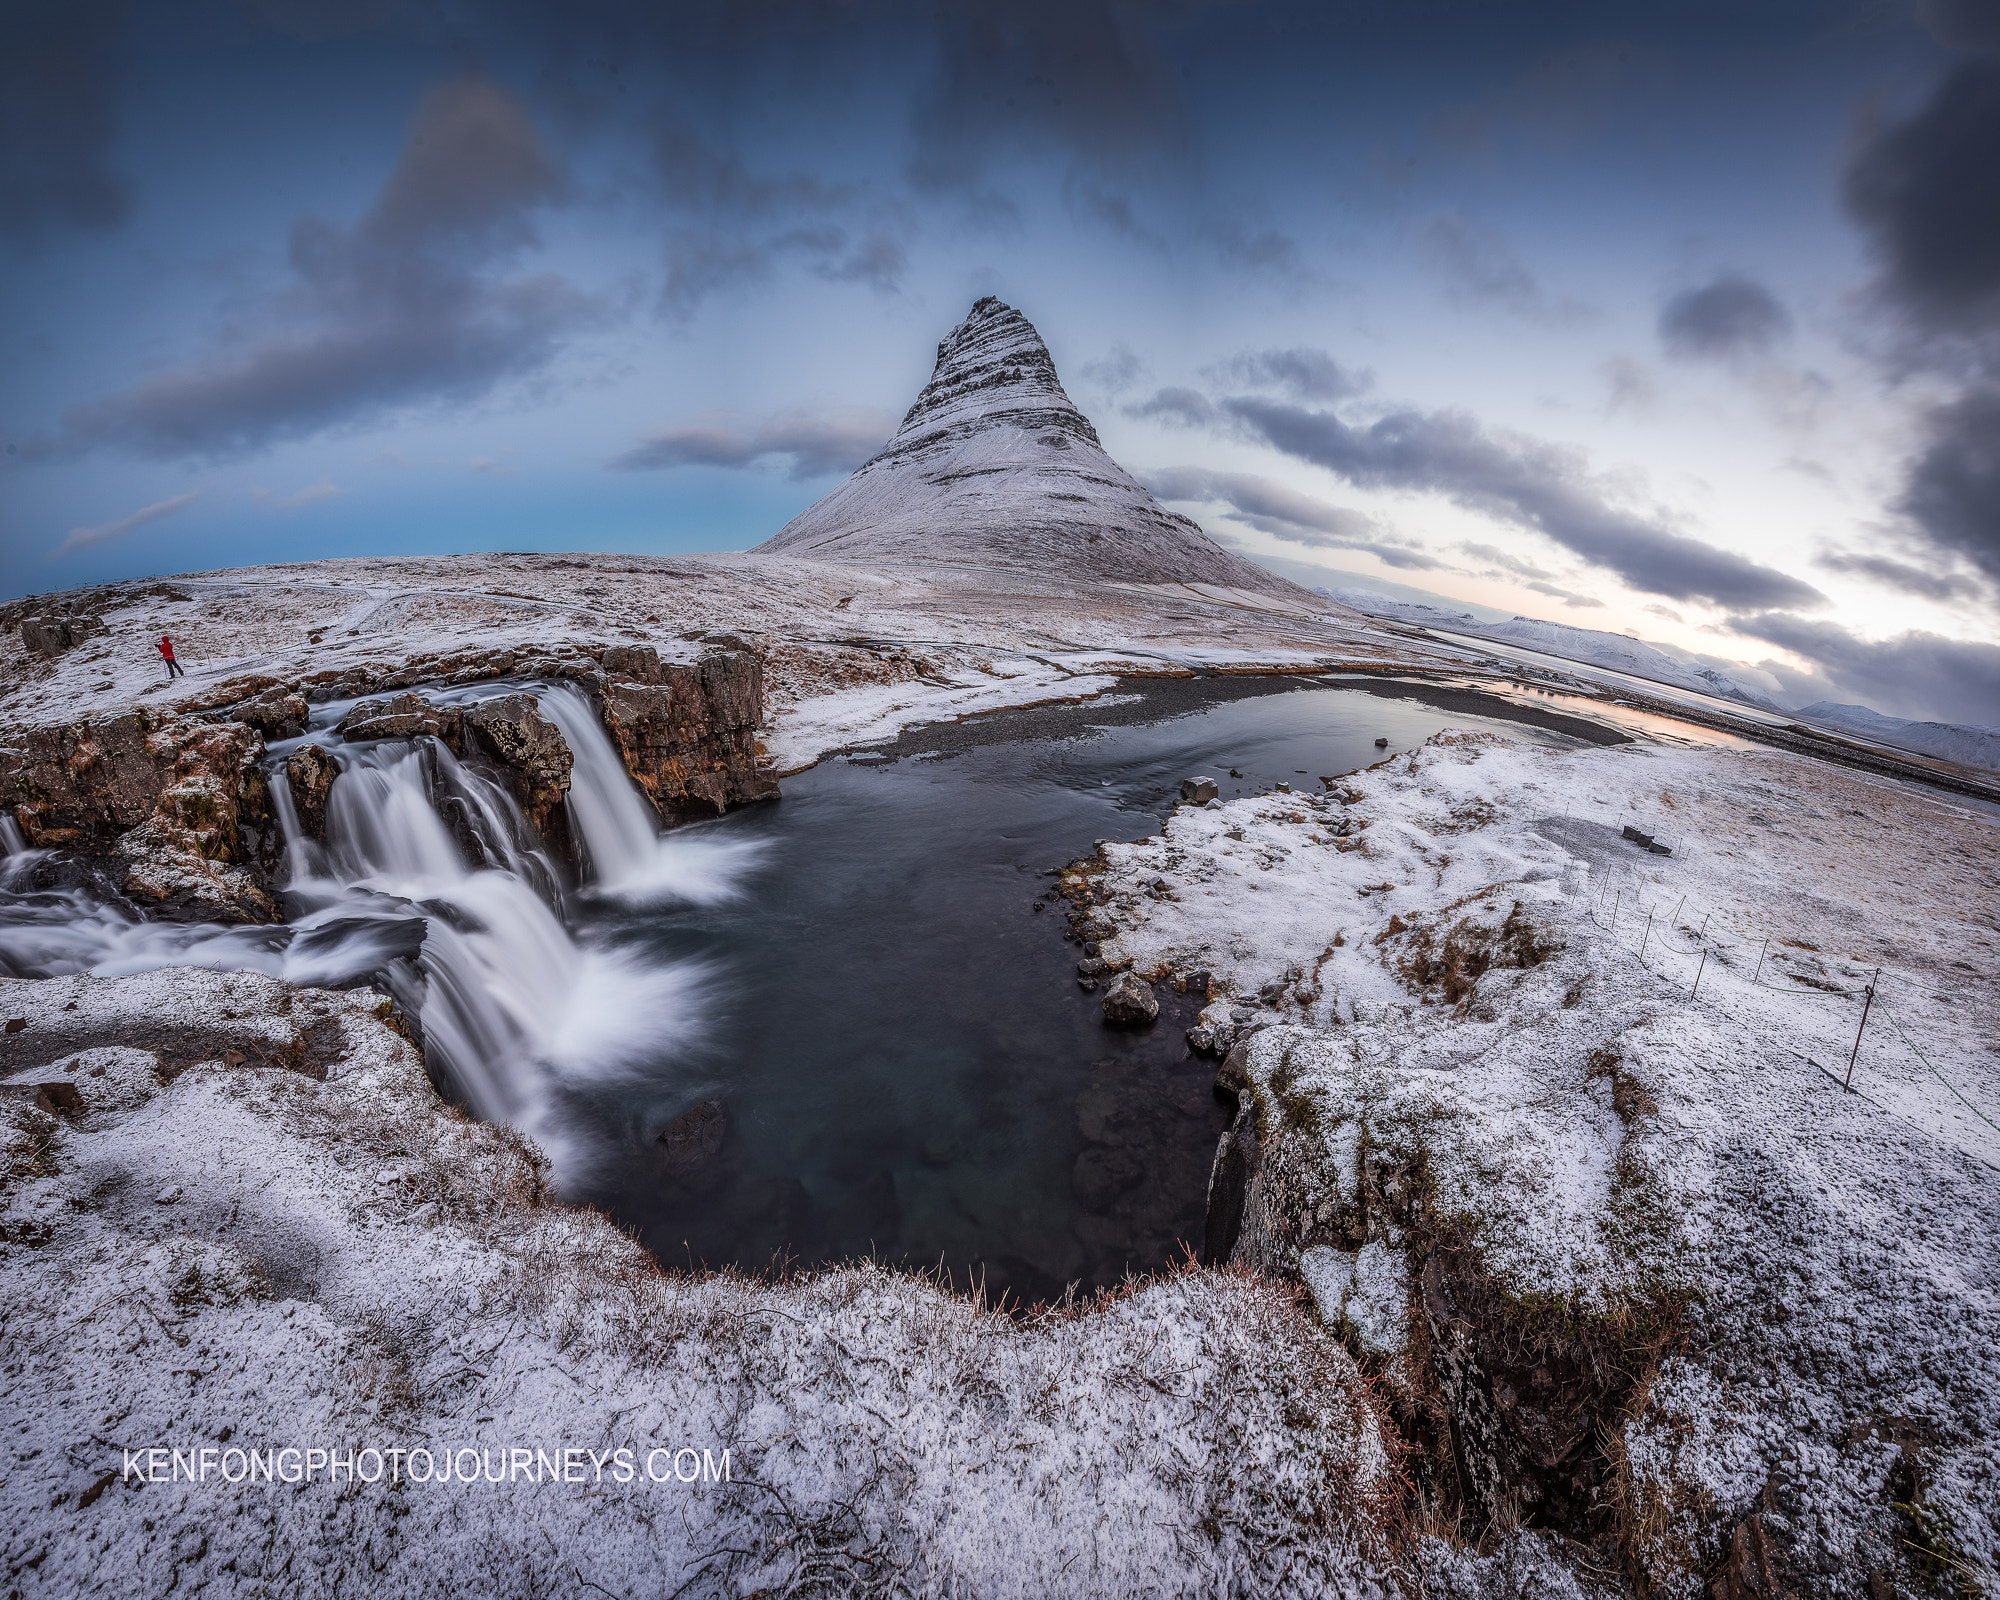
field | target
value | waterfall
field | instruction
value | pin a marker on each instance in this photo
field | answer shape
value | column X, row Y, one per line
column 11, row 841
column 626, row 856
column 432, row 884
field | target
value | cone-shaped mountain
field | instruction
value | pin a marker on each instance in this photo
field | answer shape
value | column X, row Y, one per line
column 995, row 467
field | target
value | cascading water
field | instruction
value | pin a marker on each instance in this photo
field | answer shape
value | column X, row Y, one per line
column 465, row 925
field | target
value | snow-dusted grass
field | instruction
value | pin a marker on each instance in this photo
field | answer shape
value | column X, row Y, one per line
column 851, row 653
column 1607, row 1139
column 248, row 1256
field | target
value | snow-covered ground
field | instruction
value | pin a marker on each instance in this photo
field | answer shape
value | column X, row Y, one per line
column 248, row 1259
column 239, row 1246
column 851, row 653
column 1470, row 973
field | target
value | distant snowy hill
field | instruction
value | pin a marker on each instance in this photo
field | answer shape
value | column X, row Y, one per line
column 1589, row 646
column 995, row 466
column 1975, row 747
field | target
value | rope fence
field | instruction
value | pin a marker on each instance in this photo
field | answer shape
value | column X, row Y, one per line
column 1621, row 909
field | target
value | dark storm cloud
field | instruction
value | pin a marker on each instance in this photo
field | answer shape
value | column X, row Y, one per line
column 1284, row 513
column 395, row 311
column 1944, row 586
column 1916, row 674
column 1302, row 372
column 1530, row 484
column 1953, row 489
column 817, row 443
column 1924, row 190
column 1085, row 78
column 1732, row 316
column 1186, row 408
column 738, row 224
column 1965, row 24
column 56, row 121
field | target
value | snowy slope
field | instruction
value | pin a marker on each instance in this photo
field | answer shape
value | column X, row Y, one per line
column 995, row 466
column 1949, row 741
column 1591, row 646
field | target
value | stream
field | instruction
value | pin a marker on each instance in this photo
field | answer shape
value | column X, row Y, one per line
column 865, row 977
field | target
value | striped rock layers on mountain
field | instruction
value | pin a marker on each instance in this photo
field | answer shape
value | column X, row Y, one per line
column 995, row 467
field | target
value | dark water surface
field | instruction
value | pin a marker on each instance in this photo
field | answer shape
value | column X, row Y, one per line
column 907, row 1065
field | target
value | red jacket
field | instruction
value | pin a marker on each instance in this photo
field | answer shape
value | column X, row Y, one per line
column 166, row 647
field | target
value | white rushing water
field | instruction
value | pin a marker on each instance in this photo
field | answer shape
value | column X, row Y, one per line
column 468, row 924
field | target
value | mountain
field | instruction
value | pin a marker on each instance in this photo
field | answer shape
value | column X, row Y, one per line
column 1948, row 741
column 995, row 467
column 1588, row 646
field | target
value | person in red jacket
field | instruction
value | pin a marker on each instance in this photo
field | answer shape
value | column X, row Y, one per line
column 174, row 668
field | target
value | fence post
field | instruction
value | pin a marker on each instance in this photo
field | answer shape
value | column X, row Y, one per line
column 1614, row 910
column 1677, row 912
column 1865, row 1004
column 1698, row 971
column 1760, row 961
column 1645, row 936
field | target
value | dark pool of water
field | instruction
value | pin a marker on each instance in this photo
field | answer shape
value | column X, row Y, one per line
column 907, row 1064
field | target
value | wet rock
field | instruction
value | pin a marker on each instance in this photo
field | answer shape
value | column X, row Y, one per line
column 1131, row 1002
column 1194, row 981
column 169, row 873
column 693, row 1140
column 1087, row 985
column 1201, row 1040
column 310, row 771
column 1238, row 1157
column 538, row 760
column 1092, row 966
column 688, row 733
column 195, row 786
column 277, row 713
column 1233, row 1076
column 402, row 716
column 1199, row 790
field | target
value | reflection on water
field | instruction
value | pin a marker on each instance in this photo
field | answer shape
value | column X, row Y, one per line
column 846, row 1013
column 905, row 1062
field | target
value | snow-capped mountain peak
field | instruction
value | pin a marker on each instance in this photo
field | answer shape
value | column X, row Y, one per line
column 995, row 466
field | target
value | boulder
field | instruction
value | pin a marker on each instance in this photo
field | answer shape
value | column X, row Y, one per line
column 86, row 785
column 1131, row 1002
column 687, row 734
column 402, row 716
column 538, row 760
column 277, row 713
column 311, row 771
column 50, row 636
column 693, row 1140
column 1199, row 790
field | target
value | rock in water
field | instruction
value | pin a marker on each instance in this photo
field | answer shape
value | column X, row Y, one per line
column 401, row 716
column 513, row 731
column 311, row 771
column 995, row 467
column 693, row 1140
column 1130, row 1004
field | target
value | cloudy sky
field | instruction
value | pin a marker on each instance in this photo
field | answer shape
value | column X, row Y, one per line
column 1675, row 320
